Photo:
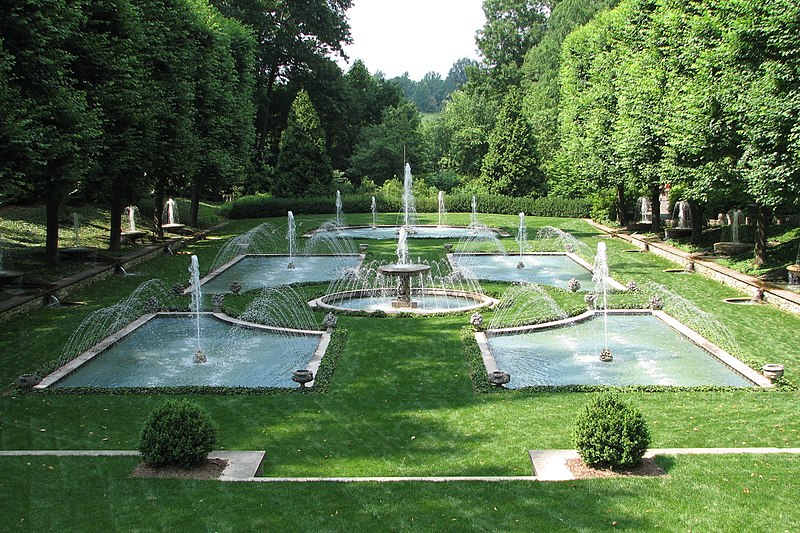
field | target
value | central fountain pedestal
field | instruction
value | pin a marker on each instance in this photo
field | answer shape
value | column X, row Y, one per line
column 403, row 273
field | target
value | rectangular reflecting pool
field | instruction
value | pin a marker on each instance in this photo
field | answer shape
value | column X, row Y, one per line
column 160, row 353
column 646, row 351
column 259, row 271
column 554, row 269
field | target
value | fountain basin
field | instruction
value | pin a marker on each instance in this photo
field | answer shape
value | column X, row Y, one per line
column 258, row 271
column 157, row 350
column 429, row 301
column 543, row 268
column 10, row 278
column 732, row 248
column 677, row 233
column 419, row 232
column 649, row 347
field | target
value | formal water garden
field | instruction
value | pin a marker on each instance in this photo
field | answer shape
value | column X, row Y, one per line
column 250, row 280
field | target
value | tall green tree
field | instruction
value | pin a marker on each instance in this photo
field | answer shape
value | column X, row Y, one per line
column 172, row 31
column 303, row 167
column 765, row 43
column 53, row 153
column 108, row 68
column 540, row 71
column 383, row 149
column 289, row 34
column 223, row 92
column 510, row 166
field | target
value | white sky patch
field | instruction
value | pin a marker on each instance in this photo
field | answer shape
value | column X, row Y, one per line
column 414, row 36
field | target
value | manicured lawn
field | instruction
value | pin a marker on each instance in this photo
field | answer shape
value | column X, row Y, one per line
column 402, row 404
column 731, row 493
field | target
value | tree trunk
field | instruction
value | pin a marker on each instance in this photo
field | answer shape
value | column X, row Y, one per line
column 655, row 208
column 762, row 222
column 195, row 207
column 696, row 212
column 264, row 123
column 116, row 223
column 158, row 208
column 51, row 241
column 622, row 217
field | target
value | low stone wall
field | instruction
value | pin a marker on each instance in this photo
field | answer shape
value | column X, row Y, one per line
column 786, row 300
column 67, row 286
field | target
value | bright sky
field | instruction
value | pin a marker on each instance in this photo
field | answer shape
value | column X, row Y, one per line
column 414, row 36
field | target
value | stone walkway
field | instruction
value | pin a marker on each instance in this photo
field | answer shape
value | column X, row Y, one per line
column 551, row 465
column 548, row 465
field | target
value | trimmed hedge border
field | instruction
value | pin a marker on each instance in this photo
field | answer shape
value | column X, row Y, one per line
column 263, row 206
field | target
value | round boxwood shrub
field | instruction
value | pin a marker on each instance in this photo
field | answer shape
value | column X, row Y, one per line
column 177, row 432
column 610, row 433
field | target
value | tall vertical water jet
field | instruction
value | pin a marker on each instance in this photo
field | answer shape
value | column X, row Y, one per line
column 522, row 238
column 130, row 214
column 442, row 210
column 681, row 215
column 170, row 215
column 644, row 211
column 600, row 277
column 402, row 247
column 196, row 307
column 291, row 236
column 408, row 200
column 374, row 209
column 339, row 223
column 736, row 220
column 473, row 220
column 76, row 222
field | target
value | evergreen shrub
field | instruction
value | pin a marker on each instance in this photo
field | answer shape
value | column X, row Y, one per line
column 610, row 433
column 177, row 432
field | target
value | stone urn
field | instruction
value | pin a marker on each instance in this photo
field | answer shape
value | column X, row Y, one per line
column 573, row 285
column 448, row 247
column 772, row 371
column 302, row 377
column 26, row 381
column 498, row 378
column 476, row 319
column 235, row 287
column 329, row 322
column 656, row 303
column 363, row 247
column 793, row 273
column 217, row 301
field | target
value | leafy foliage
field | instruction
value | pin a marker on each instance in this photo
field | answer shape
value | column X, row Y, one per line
column 303, row 165
column 177, row 432
column 608, row 432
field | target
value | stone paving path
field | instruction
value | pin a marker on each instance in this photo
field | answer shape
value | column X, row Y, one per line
column 548, row 465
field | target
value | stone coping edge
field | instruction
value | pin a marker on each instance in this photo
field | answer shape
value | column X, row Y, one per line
column 551, row 465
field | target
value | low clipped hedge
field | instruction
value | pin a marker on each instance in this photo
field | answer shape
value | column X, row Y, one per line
column 264, row 206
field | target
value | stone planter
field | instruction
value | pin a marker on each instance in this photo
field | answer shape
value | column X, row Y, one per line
column 677, row 233
column 793, row 272
column 302, row 377
column 448, row 247
column 772, row 371
column 498, row 378
column 732, row 248
column 363, row 247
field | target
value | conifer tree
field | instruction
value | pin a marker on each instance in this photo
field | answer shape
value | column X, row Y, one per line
column 304, row 167
column 510, row 167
